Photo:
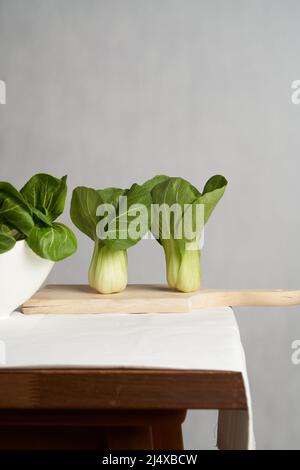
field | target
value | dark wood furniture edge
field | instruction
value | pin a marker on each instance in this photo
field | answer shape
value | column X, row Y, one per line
column 119, row 389
column 91, row 429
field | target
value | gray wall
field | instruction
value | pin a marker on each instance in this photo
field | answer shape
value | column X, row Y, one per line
column 112, row 92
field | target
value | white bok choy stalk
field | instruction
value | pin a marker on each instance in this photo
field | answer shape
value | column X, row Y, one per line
column 108, row 271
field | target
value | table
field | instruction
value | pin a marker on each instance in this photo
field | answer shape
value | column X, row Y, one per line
column 121, row 382
column 110, row 409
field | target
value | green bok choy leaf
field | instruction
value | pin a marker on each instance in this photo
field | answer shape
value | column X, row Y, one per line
column 30, row 214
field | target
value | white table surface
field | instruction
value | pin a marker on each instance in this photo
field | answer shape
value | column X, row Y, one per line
column 207, row 339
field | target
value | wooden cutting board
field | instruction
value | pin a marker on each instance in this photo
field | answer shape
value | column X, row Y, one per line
column 139, row 298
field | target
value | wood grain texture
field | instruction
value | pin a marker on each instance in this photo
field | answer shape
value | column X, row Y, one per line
column 120, row 389
column 80, row 299
column 167, row 436
column 90, row 418
column 233, row 430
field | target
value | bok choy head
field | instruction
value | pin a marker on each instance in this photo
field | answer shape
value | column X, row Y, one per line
column 179, row 214
column 115, row 219
column 30, row 214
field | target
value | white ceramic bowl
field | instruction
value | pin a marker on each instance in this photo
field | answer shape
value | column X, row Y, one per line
column 22, row 273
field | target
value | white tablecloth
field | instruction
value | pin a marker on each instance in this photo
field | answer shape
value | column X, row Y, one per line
column 207, row 339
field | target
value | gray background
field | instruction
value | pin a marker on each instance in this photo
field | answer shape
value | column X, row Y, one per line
column 113, row 92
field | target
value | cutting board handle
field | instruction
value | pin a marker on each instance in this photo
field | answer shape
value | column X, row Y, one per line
column 246, row 298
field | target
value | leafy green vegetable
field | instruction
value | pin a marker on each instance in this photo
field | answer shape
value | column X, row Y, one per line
column 181, row 247
column 111, row 195
column 7, row 242
column 55, row 243
column 14, row 209
column 115, row 219
column 46, row 195
column 212, row 193
column 150, row 184
column 30, row 214
column 120, row 236
column 84, row 205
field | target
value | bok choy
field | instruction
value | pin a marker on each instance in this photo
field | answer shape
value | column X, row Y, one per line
column 30, row 214
column 115, row 219
column 176, row 203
